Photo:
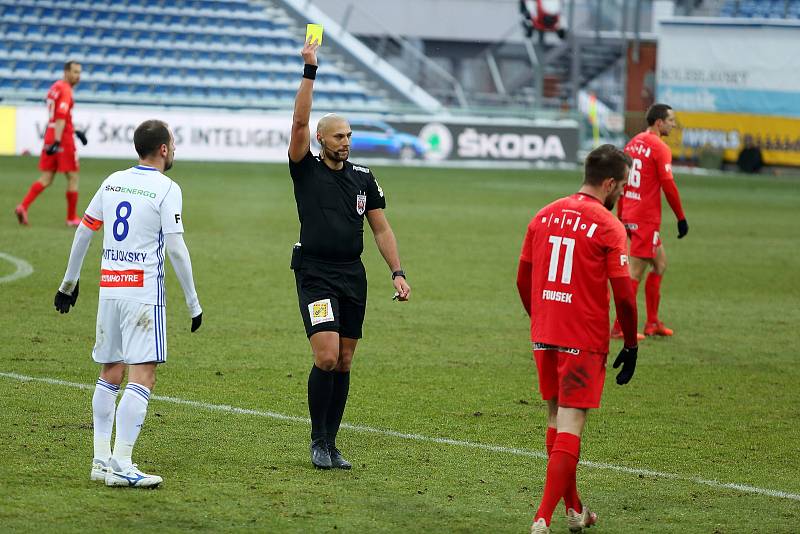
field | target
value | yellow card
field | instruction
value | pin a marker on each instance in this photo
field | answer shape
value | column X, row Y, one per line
column 314, row 32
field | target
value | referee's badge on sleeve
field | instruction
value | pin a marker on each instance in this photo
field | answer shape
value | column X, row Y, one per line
column 320, row 311
column 361, row 204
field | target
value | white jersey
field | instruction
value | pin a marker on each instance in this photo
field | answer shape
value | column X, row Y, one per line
column 137, row 206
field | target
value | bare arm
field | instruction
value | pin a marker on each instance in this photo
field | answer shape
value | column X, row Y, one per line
column 387, row 245
column 300, row 140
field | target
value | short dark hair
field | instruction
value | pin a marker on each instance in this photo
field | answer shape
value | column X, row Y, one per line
column 605, row 161
column 657, row 112
column 149, row 136
column 68, row 65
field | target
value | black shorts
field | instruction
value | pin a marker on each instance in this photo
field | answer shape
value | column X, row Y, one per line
column 332, row 297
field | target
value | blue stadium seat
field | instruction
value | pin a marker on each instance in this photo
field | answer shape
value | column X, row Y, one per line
column 26, row 85
column 119, row 70
column 71, row 32
column 104, row 17
column 7, row 84
column 23, row 65
column 85, row 15
column 14, row 29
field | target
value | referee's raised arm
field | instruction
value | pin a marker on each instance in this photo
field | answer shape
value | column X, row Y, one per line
column 300, row 140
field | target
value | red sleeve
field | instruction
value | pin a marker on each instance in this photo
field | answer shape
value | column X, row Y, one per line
column 524, row 281
column 625, row 302
column 674, row 199
column 525, row 270
column 61, row 107
column 617, row 250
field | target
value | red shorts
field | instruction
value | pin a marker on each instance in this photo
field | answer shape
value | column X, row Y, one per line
column 575, row 378
column 645, row 239
column 65, row 160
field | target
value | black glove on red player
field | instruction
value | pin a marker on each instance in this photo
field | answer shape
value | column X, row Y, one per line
column 626, row 357
column 52, row 149
column 683, row 228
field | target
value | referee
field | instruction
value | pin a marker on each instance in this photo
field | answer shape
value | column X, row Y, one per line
column 332, row 196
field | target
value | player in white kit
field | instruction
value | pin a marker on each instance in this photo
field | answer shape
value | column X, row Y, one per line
column 141, row 210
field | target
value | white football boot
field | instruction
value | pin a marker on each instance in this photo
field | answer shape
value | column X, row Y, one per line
column 130, row 477
column 540, row 527
column 577, row 522
column 99, row 470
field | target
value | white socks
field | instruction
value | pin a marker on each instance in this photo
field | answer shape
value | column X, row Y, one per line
column 104, row 402
column 130, row 417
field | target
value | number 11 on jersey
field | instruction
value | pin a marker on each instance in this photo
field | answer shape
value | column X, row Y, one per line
column 555, row 254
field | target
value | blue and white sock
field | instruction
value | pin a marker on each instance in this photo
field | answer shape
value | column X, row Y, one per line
column 130, row 417
column 104, row 403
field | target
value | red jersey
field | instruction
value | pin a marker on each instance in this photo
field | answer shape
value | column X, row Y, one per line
column 574, row 246
column 59, row 106
column 652, row 165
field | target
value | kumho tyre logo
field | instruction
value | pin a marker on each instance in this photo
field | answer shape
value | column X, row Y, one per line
column 438, row 141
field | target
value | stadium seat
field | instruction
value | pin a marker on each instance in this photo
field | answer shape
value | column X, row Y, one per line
column 26, row 85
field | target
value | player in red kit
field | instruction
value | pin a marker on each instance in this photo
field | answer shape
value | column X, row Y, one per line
column 640, row 210
column 58, row 153
column 572, row 248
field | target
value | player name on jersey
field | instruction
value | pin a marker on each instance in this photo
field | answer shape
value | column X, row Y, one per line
column 124, row 255
column 557, row 296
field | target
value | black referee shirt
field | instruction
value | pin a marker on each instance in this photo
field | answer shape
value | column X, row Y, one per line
column 331, row 207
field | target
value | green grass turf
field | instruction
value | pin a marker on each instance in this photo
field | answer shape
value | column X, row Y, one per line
column 718, row 401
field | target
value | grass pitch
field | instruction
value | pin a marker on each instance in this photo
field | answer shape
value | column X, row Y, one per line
column 718, row 402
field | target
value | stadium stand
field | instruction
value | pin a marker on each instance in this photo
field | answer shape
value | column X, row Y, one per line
column 211, row 53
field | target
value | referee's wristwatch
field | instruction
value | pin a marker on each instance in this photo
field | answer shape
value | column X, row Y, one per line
column 401, row 272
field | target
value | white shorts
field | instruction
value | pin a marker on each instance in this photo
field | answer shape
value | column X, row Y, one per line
column 130, row 332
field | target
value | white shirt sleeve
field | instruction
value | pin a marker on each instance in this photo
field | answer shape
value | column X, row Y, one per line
column 171, row 221
column 80, row 244
column 182, row 263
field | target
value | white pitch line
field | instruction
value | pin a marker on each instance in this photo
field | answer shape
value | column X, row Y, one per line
column 743, row 488
column 23, row 268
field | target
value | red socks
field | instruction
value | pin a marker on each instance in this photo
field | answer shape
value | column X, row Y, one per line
column 33, row 192
column 561, row 468
column 72, row 202
column 550, row 439
column 652, row 292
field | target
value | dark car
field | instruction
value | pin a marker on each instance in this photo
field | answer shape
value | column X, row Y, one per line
column 375, row 137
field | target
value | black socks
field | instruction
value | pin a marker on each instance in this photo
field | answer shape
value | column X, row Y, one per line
column 341, row 387
column 320, row 389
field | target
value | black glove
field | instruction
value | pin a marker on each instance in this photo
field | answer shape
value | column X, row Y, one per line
column 683, row 228
column 197, row 321
column 52, row 149
column 626, row 357
column 82, row 136
column 62, row 302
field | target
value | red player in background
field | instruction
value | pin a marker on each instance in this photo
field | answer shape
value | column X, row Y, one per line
column 640, row 210
column 58, row 153
column 572, row 248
